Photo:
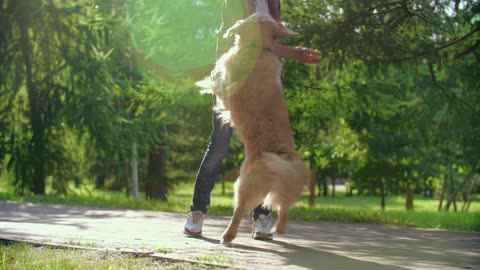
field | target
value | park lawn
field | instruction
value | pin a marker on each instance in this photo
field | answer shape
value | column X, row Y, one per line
column 24, row 256
column 363, row 209
column 367, row 209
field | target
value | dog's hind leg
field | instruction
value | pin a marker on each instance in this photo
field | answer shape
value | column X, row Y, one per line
column 232, row 229
column 231, row 232
column 249, row 192
column 281, row 225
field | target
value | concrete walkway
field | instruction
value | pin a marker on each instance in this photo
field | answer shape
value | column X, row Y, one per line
column 307, row 245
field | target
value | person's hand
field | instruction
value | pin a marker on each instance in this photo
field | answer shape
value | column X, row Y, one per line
column 307, row 55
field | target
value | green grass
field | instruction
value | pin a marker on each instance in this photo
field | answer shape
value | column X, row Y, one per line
column 214, row 258
column 26, row 257
column 365, row 209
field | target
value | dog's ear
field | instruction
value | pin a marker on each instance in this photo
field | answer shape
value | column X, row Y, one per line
column 280, row 31
column 235, row 29
column 253, row 19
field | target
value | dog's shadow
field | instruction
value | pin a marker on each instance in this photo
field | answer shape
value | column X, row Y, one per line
column 301, row 256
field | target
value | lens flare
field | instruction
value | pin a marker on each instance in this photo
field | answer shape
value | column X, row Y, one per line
column 174, row 38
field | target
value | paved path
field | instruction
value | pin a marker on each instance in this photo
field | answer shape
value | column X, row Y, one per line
column 307, row 245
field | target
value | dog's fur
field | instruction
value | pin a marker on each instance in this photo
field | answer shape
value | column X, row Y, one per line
column 246, row 81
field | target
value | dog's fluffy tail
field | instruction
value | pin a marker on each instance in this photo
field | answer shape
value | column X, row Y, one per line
column 275, row 181
column 291, row 177
column 214, row 87
column 206, row 86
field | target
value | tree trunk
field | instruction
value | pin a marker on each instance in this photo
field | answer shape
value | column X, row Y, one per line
column 388, row 185
column 38, row 131
column 409, row 198
column 325, row 187
column 312, row 183
column 348, row 191
column 442, row 194
column 382, row 194
column 334, row 180
column 455, row 192
column 156, row 185
column 126, row 167
column 135, row 170
column 452, row 190
column 115, row 171
column 373, row 189
column 466, row 204
column 100, row 177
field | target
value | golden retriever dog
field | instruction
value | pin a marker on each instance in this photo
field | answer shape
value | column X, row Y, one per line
column 246, row 81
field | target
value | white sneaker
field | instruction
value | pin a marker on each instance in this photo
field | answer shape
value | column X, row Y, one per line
column 194, row 223
column 262, row 226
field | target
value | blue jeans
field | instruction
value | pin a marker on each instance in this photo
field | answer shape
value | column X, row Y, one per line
column 208, row 171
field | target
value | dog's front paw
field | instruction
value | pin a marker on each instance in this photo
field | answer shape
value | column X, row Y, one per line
column 227, row 237
column 279, row 229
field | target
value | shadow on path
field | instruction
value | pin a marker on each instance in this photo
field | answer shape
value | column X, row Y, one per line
column 307, row 245
column 304, row 257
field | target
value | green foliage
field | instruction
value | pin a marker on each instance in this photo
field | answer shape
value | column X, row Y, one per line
column 24, row 256
column 386, row 71
column 394, row 104
column 86, row 103
column 363, row 209
column 157, row 29
column 58, row 61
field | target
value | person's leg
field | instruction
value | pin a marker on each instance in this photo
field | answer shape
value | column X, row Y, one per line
column 259, row 210
column 262, row 224
column 207, row 173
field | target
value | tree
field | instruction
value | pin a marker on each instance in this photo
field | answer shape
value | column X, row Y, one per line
column 63, row 70
column 410, row 47
column 54, row 52
column 395, row 101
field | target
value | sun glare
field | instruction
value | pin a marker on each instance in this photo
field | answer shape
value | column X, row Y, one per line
column 174, row 37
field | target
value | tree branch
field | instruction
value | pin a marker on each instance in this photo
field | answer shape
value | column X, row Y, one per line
column 444, row 46
column 434, row 79
column 362, row 15
column 442, row 90
column 468, row 50
column 453, row 196
column 53, row 73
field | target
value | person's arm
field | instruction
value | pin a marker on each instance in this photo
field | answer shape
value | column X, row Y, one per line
column 233, row 11
column 301, row 54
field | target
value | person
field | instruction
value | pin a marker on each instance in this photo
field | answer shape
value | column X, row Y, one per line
column 218, row 147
